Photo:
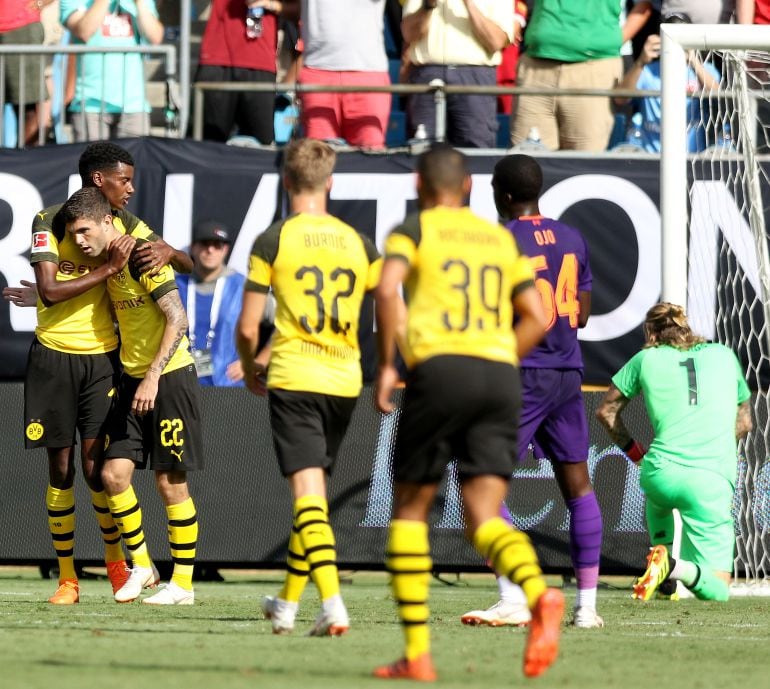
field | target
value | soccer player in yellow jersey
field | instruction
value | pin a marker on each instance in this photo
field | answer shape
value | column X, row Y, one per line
column 157, row 413
column 319, row 269
column 464, row 280
column 73, row 363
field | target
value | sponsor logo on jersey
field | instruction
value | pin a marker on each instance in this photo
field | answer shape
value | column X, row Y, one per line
column 35, row 430
column 40, row 242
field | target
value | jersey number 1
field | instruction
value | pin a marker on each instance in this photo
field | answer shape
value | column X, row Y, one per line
column 692, row 381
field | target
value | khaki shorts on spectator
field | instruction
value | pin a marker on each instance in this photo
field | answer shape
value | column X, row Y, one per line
column 32, row 34
column 580, row 123
column 97, row 126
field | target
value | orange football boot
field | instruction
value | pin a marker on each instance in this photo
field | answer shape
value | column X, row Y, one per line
column 68, row 593
column 117, row 573
column 544, row 629
column 420, row 669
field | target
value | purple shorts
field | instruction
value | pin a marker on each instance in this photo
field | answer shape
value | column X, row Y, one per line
column 553, row 417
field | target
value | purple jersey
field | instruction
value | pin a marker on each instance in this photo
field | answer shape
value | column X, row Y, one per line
column 559, row 256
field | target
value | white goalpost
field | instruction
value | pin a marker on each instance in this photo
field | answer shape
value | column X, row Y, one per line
column 714, row 239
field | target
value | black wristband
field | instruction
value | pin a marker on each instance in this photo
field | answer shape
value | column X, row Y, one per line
column 429, row 5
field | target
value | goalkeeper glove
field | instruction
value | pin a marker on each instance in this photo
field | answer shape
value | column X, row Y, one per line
column 634, row 451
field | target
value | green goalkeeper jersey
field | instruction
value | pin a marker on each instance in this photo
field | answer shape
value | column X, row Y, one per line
column 691, row 398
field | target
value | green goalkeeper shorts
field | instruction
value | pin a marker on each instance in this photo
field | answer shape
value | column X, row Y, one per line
column 704, row 500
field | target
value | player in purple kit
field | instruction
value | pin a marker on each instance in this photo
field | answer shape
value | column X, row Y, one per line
column 553, row 414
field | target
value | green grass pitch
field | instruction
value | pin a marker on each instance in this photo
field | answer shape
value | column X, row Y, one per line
column 223, row 641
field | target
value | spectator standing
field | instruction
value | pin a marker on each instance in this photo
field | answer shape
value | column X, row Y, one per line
column 645, row 73
column 212, row 297
column 20, row 25
column 698, row 403
column 336, row 56
column 569, row 45
column 109, row 100
column 228, row 54
column 461, row 43
column 757, row 12
column 506, row 70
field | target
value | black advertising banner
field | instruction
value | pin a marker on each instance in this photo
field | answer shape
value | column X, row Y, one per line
column 244, row 504
column 613, row 201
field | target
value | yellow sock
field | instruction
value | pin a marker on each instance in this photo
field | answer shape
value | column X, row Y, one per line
column 61, row 523
column 182, row 539
column 511, row 554
column 311, row 516
column 409, row 563
column 113, row 549
column 128, row 517
column 297, row 569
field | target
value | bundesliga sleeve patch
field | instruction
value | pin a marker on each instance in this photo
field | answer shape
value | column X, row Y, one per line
column 40, row 242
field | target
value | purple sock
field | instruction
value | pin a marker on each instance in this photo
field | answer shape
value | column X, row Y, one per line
column 585, row 537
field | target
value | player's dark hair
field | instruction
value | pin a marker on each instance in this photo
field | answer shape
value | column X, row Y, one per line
column 87, row 203
column 666, row 324
column 102, row 156
column 442, row 168
column 519, row 176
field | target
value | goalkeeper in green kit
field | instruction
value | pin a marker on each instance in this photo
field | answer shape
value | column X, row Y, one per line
column 698, row 403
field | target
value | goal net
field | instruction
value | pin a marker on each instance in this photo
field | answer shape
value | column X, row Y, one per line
column 715, row 190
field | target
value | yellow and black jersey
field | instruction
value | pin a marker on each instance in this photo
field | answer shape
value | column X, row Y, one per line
column 83, row 324
column 319, row 269
column 463, row 272
column 140, row 320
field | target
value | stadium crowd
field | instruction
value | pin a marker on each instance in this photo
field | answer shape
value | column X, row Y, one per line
column 533, row 43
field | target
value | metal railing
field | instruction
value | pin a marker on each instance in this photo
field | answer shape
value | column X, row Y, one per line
column 437, row 87
column 27, row 53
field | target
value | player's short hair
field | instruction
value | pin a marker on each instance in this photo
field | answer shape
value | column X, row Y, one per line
column 87, row 203
column 666, row 324
column 308, row 164
column 520, row 176
column 442, row 168
column 102, row 156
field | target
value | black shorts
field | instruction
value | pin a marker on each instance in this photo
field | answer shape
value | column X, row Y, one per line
column 308, row 428
column 67, row 392
column 461, row 407
column 170, row 435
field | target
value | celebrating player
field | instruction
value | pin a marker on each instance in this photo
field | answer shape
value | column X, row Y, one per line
column 552, row 414
column 698, row 402
column 465, row 279
column 157, row 414
column 319, row 269
column 72, row 362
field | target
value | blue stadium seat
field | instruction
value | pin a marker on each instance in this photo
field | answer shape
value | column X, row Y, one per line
column 503, row 131
column 396, row 134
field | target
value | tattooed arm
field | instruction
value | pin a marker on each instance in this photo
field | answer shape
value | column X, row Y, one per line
column 609, row 412
column 743, row 423
column 176, row 327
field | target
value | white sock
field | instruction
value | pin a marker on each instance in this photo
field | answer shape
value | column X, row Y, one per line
column 332, row 603
column 585, row 598
column 510, row 592
column 684, row 571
